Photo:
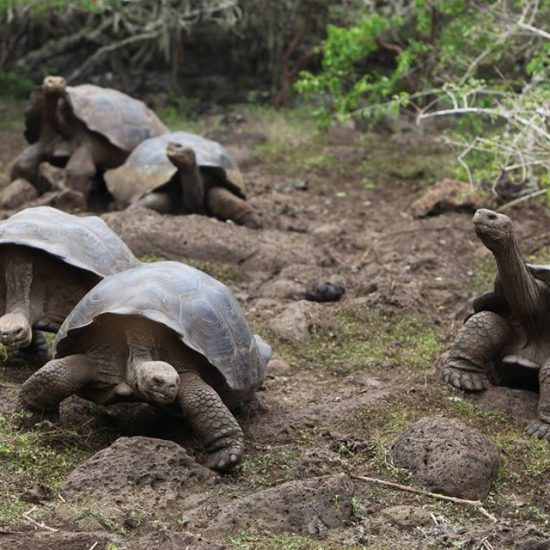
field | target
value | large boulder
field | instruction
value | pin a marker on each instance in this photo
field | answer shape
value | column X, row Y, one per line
column 447, row 456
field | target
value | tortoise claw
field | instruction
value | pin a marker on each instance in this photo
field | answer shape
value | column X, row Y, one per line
column 224, row 460
column 466, row 380
column 539, row 429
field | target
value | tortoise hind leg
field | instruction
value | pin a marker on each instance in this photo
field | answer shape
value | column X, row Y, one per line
column 212, row 421
column 540, row 428
column 55, row 381
column 223, row 204
column 478, row 342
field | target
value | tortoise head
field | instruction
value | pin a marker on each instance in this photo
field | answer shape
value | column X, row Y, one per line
column 180, row 155
column 15, row 331
column 158, row 381
column 494, row 230
column 54, row 85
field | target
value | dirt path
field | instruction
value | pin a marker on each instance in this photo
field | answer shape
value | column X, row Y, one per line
column 346, row 379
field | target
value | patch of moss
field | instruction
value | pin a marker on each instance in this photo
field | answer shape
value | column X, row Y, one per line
column 484, row 275
column 43, row 456
column 269, row 466
column 370, row 339
column 247, row 541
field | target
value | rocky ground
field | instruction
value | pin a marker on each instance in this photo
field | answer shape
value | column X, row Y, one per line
column 346, row 380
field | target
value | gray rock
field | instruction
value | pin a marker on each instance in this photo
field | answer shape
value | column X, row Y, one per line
column 447, row 456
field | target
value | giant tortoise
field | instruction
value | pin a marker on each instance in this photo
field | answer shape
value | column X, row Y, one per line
column 49, row 260
column 86, row 128
column 166, row 334
column 182, row 173
column 508, row 336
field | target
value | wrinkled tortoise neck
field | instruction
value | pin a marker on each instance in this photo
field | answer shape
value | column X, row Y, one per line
column 523, row 294
column 140, row 341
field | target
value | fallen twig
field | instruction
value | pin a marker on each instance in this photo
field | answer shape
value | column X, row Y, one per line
column 523, row 199
column 27, row 516
column 407, row 488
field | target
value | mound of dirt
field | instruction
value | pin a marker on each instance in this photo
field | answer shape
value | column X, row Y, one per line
column 202, row 238
column 448, row 457
column 308, row 507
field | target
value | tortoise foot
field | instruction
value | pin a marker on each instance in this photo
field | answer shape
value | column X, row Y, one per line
column 26, row 418
column 539, row 429
column 466, row 380
column 225, row 459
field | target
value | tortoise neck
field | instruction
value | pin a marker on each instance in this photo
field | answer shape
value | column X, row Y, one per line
column 140, row 339
column 56, row 112
column 520, row 287
column 18, row 277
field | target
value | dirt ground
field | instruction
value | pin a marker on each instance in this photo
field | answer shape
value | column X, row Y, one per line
column 346, row 377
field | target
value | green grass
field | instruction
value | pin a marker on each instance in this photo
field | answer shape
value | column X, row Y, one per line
column 366, row 338
column 246, row 541
column 43, row 456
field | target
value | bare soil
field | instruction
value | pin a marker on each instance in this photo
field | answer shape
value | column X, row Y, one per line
column 346, row 377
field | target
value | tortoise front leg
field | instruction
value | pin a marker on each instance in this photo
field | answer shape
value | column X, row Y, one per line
column 55, row 381
column 80, row 171
column 225, row 205
column 15, row 324
column 26, row 164
column 212, row 421
column 479, row 341
column 540, row 428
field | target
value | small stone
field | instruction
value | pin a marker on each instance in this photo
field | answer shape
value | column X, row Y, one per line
column 278, row 367
column 407, row 517
column 17, row 194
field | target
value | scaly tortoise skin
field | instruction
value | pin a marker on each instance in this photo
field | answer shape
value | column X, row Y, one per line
column 50, row 259
column 509, row 333
column 164, row 333
column 185, row 173
column 86, row 128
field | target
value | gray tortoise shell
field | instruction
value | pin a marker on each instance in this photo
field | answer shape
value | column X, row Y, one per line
column 148, row 168
column 123, row 120
column 84, row 242
column 200, row 309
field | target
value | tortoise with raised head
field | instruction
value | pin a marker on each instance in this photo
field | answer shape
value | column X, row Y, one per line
column 166, row 334
column 509, row 333
column 50, row 259
column 182, row 173
column 86, row 128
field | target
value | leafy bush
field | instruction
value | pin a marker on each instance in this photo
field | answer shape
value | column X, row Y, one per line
column 486, row 62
